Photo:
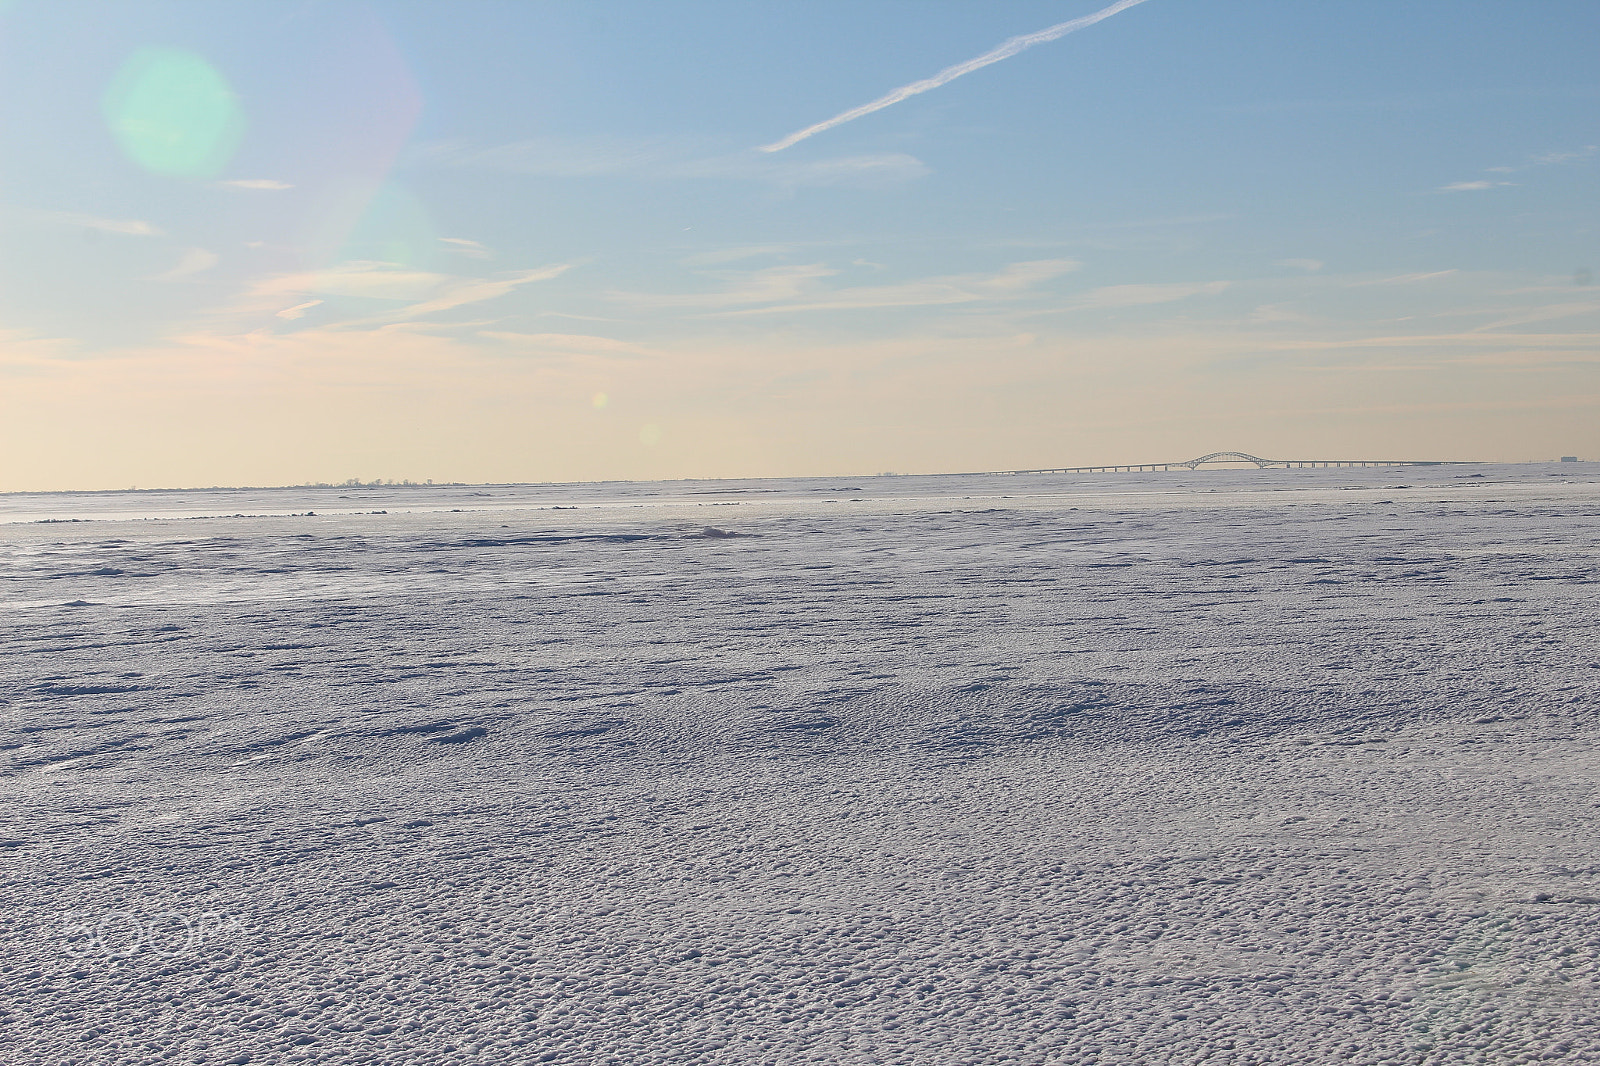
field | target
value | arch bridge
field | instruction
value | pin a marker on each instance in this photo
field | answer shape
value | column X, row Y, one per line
column 1239, row 457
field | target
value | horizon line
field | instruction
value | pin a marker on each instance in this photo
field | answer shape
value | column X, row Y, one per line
column 1097, row 467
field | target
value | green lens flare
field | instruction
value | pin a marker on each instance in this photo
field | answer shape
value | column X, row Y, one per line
column 394, row 228
column 173, row 114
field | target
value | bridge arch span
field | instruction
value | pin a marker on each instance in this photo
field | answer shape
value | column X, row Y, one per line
column 1230, row 457
column 1243, row 457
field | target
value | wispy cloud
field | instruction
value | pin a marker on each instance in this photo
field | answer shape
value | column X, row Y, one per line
column 1474, row 186
column 1269, row 314
column 1446, row 340
column 575, row 318
column 194, row 261
column 360, row 278
column 131, row 227
column 763, row 286
column 1588, row 151
column 1547, row 313
column 1407, row 279
column 1014, row 281
column 1005, row 50
column 797, row 288
column 733, row 255
column 24, row 354
column 425, row 292
column 673, row 159
column 470, row 249
column 1140, row 295
column 461, row 293
column 1551, row 159
column 572, row 343
column 298, row 310
column 1113, row 297
column 268, row 184
column 1544, row 159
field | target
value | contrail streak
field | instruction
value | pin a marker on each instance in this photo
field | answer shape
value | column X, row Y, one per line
column 1005, row 51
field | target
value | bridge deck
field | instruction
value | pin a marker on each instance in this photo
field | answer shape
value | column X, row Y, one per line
column 1286, row 464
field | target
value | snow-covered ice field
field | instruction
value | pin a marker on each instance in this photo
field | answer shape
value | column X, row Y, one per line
column 1222, row 767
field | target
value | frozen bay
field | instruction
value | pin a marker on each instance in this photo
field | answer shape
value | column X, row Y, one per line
column 1253, row 767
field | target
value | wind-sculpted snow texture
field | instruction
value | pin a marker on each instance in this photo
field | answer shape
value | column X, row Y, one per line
column 1222, row 767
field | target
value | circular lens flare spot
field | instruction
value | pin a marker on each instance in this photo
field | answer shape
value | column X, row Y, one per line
column 599, row 400
column 394, row 228
column 174, row 114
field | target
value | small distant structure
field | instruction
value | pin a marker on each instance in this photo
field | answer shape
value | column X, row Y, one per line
column 1243, row 457
column 1569, row 458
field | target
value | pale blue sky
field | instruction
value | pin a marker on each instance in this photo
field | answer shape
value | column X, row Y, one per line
column 537, row 241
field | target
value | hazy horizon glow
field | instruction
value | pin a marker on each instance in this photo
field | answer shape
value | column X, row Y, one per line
column 254, row 243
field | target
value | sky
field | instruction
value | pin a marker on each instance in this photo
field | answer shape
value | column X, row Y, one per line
column 279, row 243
